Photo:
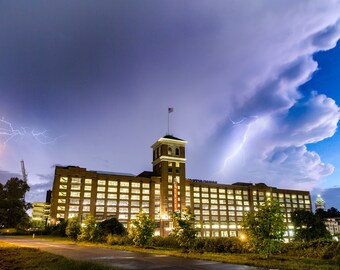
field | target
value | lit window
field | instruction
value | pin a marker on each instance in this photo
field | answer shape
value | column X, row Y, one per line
column 145, row 204
column 111, row 209
column 86, row 201
column 135, row 185
column 75, row 194
column 205, row 195
column 231, row 213
column 124, row 196
column 135, row 197
column 123, row 210
column 197, row 200
column 74, row 201
column 112, row 196
column 75, row 187
column 169, row 179
column 88, row 181
column 87, row 194
column 222, row 196
column 213, row 201
column 87, row 188
column 231, row 197
column 74, row 208
column 146, row 191
column 100, row 209
column 135, row 203
column 223, row 207
column 59, row 215
column 76, row 181
column 63, row 179
column 113, row 183
column 145, row 198
column 62, row 194
column 124, row 190
column 101, row 182
column 63, row 187
column 86, row 208
column 196, row 188
column 124, row 184
column 111, row 202
column 221, row 190
column 101, row 189
column 223, row 213
column 61, row 208
column 123, row 216
column 196, row 194
column 157, row 186
column 135, row 191
column 213, row 195
column 72, row 215
column 101, row 195
column 157, row 191
column 61, row 200
column 124, row 203
column 205, row 200
column 205, row 189
column 100, row 202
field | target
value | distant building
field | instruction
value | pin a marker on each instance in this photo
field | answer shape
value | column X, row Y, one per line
column 41, row 210
column 219, row 208
column 320, row 203
column 333, row 226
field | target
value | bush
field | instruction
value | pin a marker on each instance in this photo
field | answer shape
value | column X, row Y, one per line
column 164, row 242
column 73, row 228
column 319, row 249
column 112, row 226
column 113, row 239
column 142, row 229
column 220, row 245
column 90, row 232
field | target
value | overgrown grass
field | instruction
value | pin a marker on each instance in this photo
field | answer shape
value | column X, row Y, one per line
column 15, row 258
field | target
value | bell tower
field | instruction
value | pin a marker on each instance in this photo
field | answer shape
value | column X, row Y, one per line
column 169, row 164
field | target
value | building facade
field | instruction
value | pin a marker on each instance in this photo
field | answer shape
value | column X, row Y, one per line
column 219, row 208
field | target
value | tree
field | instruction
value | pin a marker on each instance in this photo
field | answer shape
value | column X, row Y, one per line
column 308, row 226
column 112, row 226
column 184, row 228
column 142, row 229
column 13, row 206
column 73, row 228
column 330, row 213
column 90, row 231
column 265, row 227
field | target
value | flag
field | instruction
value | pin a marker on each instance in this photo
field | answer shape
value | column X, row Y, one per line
column 170, row 109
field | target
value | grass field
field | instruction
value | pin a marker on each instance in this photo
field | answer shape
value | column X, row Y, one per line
column 275, row 262
column 13, row 257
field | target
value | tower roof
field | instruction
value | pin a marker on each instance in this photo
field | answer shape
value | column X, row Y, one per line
column 172, row 138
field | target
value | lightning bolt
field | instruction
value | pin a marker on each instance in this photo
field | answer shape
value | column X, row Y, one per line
column 8, row 132
column 244, row 138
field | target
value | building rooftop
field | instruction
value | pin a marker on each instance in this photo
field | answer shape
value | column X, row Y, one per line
column 115, row 173
column 172, row 137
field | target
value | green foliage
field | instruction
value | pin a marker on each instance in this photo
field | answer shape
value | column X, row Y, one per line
column 308, row 226
column 90, row 232
column 57, row 230
column 112, row 226
column 184, row 228
column 317, row 249
column 220, row 245
column 12, row 204
column 330, row 213
column 265, row 228
column 73, row 228
column 37, row 225
column 114, row 239
column 165, row 242
column 142, row 229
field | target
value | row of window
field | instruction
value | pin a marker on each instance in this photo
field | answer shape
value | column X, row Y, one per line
column 76, row 180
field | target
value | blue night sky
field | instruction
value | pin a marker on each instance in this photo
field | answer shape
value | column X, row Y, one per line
column 254, row 86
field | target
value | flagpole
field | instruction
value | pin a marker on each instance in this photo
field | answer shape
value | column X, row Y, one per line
column 170, row 110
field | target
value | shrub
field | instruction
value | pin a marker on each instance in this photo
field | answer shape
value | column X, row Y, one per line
column 113, row 239
column 220, row 245
column 164, row 242
column 112, row 226
column 142, row 229
column 90, row 232
column 73, row 228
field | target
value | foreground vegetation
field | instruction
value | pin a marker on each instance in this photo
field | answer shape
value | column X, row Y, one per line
column 318, row 255
column 15, row 257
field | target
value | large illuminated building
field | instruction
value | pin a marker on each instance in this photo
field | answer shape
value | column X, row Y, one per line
column 219, row 208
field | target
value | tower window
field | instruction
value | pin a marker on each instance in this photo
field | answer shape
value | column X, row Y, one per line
column 177, row 151
column 169, row 151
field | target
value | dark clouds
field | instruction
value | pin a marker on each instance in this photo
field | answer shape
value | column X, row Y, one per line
column 99, row 76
